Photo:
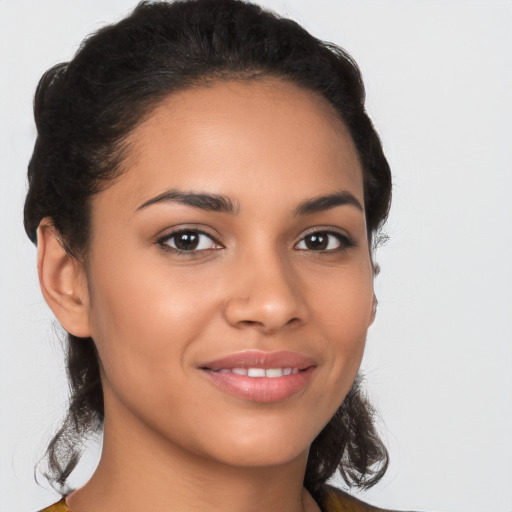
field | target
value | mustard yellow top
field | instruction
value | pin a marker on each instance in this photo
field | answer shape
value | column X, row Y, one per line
column 60, row 506
column 335, row 501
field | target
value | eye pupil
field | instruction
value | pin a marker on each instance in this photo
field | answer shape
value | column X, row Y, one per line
column 186, row 240
column 317, row 241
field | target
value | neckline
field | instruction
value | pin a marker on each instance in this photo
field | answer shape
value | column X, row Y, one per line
column 62, row 506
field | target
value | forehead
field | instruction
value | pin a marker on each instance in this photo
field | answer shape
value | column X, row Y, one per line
column 241, row 138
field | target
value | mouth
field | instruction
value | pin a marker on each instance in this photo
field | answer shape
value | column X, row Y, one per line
column 271, row 373
column 260, row 376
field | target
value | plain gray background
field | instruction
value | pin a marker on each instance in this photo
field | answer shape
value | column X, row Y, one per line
column 439, row 359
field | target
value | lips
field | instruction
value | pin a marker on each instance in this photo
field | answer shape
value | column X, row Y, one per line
column 260, row 376
column 260, row 372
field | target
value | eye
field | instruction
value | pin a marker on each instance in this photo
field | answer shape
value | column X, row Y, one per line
column 188, row 240
column 324, row 241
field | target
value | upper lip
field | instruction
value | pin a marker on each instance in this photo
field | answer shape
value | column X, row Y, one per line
column 257, row 359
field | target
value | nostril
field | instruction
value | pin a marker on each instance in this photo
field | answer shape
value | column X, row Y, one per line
column 249, row 322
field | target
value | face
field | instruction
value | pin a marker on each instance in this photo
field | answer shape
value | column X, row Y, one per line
column 229, row 273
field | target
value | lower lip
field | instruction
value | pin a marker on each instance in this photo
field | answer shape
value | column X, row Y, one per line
column 261, row 389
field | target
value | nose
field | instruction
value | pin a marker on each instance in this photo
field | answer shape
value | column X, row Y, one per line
column 266, row 296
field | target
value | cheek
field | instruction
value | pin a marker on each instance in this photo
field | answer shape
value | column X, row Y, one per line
column 344, row 311
column 143, row 318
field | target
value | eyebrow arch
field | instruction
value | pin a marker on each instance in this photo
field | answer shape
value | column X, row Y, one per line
column 322, row 203
column 223, row 204
column 210, row 202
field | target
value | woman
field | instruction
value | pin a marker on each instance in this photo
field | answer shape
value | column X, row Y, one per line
column 205, row 192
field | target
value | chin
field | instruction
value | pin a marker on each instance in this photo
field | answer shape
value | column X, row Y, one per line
column 265, row 444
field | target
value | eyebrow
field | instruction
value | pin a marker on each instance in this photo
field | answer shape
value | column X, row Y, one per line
column 322, row 203
column 223, row 204
column 210, row 202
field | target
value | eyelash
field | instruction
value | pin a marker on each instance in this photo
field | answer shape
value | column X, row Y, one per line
column 344, row 241
column 163, row 241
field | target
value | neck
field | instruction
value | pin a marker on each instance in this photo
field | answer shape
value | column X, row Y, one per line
column 140, row 469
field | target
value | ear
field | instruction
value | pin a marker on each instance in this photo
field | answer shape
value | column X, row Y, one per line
column 63, row 281
column 374, row 310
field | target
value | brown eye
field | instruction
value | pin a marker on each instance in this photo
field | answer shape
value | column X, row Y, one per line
column 189, row 240
column 324, row 241
column 317, row 241
column 186, row 241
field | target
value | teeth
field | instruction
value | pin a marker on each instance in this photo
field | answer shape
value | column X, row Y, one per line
column 256, row 372
column 274, row 372
column 261, row 372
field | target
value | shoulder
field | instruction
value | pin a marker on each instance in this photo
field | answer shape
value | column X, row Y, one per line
column 336, row 500
column 60, row 506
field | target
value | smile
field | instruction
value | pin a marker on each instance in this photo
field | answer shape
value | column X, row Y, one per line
column 260, row 376
column 260, row 372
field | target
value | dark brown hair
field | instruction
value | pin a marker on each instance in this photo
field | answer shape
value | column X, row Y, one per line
column 84, row 111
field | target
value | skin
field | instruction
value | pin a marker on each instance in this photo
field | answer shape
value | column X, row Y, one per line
column 171, row 437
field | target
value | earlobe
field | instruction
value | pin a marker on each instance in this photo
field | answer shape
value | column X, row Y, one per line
column 62, row 280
